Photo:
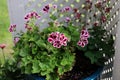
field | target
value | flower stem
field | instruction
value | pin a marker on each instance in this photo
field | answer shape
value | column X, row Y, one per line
column 3, row 55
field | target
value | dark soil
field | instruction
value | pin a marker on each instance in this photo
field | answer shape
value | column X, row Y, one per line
column 82, row 68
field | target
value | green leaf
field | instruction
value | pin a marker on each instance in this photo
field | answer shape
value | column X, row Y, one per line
column 53, row 17
column 28, row 69
column 61, row 70
column 34, row 50
column 91, row 56
column 41, row 43
column 35, row 67
column 91, row 47
column 42, row 66
column 52, row 76
column 23, row 53
column 25, row 61
column 64, row 62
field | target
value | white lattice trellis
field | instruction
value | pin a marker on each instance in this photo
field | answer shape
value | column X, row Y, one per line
column 18, row 8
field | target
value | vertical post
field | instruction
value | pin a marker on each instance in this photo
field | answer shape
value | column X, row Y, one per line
column 116, row 71
column 16, row 12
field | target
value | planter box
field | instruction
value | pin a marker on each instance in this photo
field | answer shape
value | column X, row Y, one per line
column 94, row 76
column 34, row 77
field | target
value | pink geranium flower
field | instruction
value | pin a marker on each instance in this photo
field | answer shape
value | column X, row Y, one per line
column 107, row 10
column 12, row 27
column 81, row 43
column 46, row 8
column 83, row 38
column 75, row 10
column 57, row 44
column 84, row 34
column 57, row 39
column 50, row 40
column 55, row 6
column 77, row 15
column 2, row 46
column 67, row 19
column 31, row 15
column 67, row 8
column 16, row 40
column 96, row 23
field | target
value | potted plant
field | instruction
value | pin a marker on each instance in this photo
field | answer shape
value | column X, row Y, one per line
column 64, row 50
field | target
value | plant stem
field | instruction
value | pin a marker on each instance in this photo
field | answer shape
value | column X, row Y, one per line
column 3, row 55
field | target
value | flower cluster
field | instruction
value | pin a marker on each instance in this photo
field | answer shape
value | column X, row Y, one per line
column 31, row 15
column 46, row 8
column 83, row 38
column 16, row 39
column 12, row 28
column 67, row 19
column 57, row 39
column 66, row 9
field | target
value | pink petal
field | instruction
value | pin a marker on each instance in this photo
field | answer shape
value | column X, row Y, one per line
column 58, row 46
column 2, row 46
column 16, row 40
column 50, row 40
column 10, row 29
column 54, row 45
column 67, row 19
column 85, row 41
column 65, row 44
column 54, row 6
column 67, row 8
column 81, row 43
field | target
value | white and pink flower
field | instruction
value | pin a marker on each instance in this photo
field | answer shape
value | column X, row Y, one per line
column 16, row 40
column 57, row 39
column 12, row 28
column 67, row 19
column 55, row 6
column 84, row 34
column 83, row 38
column 67, row 9
column 31, row 15
column 81, row 43
column 46, row 8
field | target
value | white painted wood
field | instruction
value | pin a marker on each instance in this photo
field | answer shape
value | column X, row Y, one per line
column 16, row 11
column 116, row 71
column 18, row 8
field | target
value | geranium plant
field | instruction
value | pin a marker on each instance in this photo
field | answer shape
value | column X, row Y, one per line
column 64, row 46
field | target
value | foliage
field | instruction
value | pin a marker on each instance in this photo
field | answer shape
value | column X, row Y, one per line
column 39, row 56
column 51, row 52
column 99, row 45
column 9, row 71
